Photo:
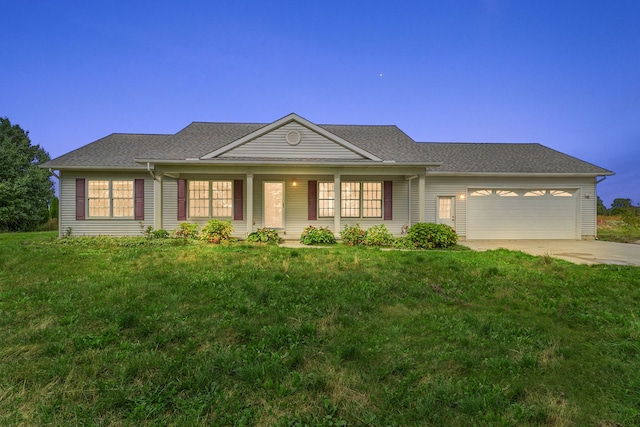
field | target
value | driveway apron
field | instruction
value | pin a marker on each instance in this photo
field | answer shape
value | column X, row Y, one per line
column 576, row 251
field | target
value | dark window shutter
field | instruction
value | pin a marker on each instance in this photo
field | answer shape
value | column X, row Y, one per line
column 80, row 199
column 388, row 200
column 312, row 200
column 138, row 206
column 238, row 199
column 182, row 200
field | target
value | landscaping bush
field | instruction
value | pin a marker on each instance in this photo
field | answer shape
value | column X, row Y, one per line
column 160, row 234
column 317, row 235
column 187, row 230
column 403, row 242
column 378, row 235
column 352, row 235
column 264, row 235
column 216, row 231
column 428, row 235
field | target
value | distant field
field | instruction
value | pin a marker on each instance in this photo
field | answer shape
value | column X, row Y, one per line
column 613, row 229
column 134, row 332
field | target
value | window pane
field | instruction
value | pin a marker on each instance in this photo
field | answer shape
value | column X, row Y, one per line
column 480, row 193
column 221, row 198
column 506, row 193
column 198, row 198
column 371, row 199
column 99, row 200
column 535, row 193
column 326, row 199
column 444, row 208
column 122, row 194
column 273, row 198
column 560, row 193
column 350, row 199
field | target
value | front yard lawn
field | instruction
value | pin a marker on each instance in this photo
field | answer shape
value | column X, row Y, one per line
column 161, row 332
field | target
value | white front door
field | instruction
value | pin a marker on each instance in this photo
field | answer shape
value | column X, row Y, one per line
column 446, row 211
column 273, row 204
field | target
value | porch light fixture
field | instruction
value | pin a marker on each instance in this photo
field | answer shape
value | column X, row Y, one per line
column 294, row 182
column 462, row 196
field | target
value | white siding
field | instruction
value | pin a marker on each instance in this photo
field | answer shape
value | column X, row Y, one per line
column 170, row 220
column 104, row 227
column 447, row 186
column 274, row 145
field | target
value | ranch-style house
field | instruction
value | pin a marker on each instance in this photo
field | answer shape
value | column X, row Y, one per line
column 292, row 173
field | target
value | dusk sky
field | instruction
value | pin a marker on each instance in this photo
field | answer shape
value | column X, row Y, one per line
column 565, row 74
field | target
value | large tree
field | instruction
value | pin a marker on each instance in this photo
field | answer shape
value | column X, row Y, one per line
column 25, row 189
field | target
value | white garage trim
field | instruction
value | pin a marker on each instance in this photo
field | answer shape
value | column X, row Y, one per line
column 516, row 213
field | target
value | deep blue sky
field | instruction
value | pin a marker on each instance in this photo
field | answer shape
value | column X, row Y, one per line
column 562, row 73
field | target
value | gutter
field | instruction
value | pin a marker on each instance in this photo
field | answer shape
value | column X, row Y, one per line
column 518, row 174
column 54, row 174
column 151, row 171
column 293, row 162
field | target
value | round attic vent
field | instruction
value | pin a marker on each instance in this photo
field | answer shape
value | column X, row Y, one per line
column 293, row 137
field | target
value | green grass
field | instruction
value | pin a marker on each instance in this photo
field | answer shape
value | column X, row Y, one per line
column 613, row 229
column 165, row 333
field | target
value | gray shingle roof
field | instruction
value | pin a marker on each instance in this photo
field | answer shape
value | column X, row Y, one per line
column 117, row 150
column 386, row 142
column 458, row 157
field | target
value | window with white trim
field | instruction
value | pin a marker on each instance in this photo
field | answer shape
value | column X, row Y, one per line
column 371, row 199
column 110, row 198
column 350, row 199
column 326, row 199
column 210, row 199
column 361, row 199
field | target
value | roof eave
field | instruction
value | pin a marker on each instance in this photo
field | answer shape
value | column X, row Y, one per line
column 92, row 168
column 292, row 162
column 521, row 174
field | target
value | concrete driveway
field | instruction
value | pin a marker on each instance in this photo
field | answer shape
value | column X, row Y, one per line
column 576, row 251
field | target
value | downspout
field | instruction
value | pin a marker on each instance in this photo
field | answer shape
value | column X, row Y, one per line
column 597, row 182
column 150, row 171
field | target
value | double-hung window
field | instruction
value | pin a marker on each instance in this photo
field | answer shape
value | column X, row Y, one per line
column 210, row 199
column 326, row 199
column 357, row 199
column 110, row 198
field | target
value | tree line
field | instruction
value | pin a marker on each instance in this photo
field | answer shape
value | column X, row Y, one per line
column 26, row 190
column 619, row 206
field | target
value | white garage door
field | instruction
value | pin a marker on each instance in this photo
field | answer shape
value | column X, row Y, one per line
column 521, row 214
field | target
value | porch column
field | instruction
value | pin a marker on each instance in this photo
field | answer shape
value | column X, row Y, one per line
column 249, row 203
column 157, row 202
column 336, row 204
column 421, row 198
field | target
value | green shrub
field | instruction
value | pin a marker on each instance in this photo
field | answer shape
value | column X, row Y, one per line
column 352, row 235
column 403, row 242
column 216, row 231
column 160, row 234
column 317, row 235
column 187, row 230
column 428, row 235
column 378, row 235
column 264, row 235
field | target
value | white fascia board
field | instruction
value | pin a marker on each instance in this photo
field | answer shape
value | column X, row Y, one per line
column 287, row 162
column 516, row 174
column 286, row 120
